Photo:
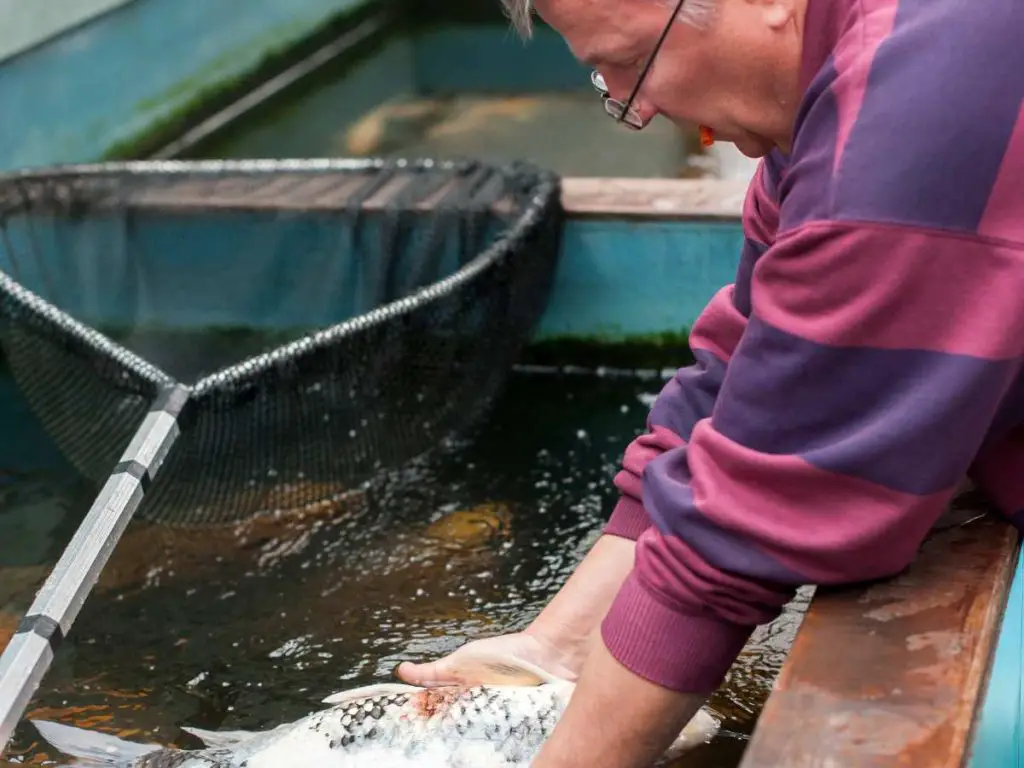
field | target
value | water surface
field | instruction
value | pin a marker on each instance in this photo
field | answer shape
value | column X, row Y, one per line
column 250, row 628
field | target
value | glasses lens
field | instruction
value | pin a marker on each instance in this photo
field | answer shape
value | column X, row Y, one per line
column 632, row 118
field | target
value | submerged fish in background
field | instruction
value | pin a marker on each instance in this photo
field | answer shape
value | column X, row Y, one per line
column 500, row 724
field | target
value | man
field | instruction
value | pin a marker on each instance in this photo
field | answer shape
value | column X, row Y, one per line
column 867, row 358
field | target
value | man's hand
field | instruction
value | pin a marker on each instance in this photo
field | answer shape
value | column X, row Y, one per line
column 560, row 638
column 616, row 719
column 518, row 646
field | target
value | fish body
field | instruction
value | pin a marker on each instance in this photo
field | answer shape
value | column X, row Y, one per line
column 501, row 725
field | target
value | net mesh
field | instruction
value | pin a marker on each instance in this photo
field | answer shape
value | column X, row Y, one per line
column 330, row 318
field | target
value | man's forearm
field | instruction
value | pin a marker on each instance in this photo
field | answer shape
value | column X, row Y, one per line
column 573, row 618
column 616, row 719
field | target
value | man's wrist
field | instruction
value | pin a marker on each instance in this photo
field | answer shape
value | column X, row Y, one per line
column 571, row 622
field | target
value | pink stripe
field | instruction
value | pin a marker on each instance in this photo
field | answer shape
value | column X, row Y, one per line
column 720, row 326
column 1004, row 214
column 826, row 526
column 688, row 583
column 644, row 448
column 686, row 652
column 628, row 520
column 999, row 472
column 894, row 288
column 853, row 57
column 760, row 212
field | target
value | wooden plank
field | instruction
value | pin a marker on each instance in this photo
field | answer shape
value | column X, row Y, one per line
column 893, row 673
column 583, row 198
column 654, row 198
column 287, row 191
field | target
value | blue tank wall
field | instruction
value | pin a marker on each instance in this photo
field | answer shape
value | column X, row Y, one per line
column 186, row 272
column 997, row 740
column 73, row 98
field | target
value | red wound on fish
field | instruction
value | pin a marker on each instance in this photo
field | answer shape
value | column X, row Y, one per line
column 435, row 701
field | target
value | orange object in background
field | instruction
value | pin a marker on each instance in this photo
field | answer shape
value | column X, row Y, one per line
column 707, row 136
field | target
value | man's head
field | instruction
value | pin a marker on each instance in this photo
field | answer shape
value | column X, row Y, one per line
column 732, row 65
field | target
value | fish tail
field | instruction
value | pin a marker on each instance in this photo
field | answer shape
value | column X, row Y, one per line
column 91, row 747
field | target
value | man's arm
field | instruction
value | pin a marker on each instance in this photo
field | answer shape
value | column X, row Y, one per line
column 853, row 406
column 616, row 719
column 571, row 621
column 560, row 638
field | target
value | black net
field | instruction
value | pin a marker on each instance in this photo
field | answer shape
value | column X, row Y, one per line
column 331, row 318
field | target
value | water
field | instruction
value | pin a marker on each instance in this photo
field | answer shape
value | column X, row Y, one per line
column 249, row 628
column 565, row 131
column 42, row 500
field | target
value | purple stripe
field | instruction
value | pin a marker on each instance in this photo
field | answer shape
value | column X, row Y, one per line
column 668, row 499
column 911, row 420
column 943, row 95
column 752, row 251
column 1011, row 412
column 804, row 192
column 774, row 164
column 690, row 395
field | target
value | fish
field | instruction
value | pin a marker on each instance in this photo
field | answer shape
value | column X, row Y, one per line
column 499, row 721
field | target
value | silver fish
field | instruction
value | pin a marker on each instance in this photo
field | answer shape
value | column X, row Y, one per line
column 500, row 724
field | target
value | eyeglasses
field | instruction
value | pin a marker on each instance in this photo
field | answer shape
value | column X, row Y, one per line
column 626, row 113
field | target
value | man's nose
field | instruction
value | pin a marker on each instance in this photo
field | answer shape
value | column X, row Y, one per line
column 645, row 109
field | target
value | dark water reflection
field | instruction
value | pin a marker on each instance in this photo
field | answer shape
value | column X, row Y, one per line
column 248, row 629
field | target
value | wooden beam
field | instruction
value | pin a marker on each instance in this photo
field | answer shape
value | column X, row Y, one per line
column 653, row 198
column 610, row 198
column 893, row 673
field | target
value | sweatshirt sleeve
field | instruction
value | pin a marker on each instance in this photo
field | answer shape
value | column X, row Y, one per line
column 998, row 471
column 855, row 402
column 690, row 394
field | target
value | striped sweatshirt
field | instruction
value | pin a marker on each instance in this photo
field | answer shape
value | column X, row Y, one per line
column 868, row 356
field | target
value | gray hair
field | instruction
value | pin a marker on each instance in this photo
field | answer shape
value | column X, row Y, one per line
column 696, row 13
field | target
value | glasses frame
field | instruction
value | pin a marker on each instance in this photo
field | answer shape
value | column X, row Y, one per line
column 625, row 112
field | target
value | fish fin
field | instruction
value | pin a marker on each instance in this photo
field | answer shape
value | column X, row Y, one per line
column 500, row 669
column 369, row 691
column 94, row 747
column 218, row 738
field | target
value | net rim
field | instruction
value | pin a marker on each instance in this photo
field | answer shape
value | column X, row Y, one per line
column 544, row 195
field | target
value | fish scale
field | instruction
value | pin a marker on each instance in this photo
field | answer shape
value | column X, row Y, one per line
column 170, row 758
column 382, row 726
column 510, row 721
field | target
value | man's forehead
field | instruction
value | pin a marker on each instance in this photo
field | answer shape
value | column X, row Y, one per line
column 579, row 14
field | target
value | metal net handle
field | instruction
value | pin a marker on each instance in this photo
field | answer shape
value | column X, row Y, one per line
column 29, row 654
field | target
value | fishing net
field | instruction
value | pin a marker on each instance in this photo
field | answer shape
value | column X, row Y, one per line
column 330, row 318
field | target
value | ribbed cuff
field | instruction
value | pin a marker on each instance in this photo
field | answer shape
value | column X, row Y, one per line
column 688, row 654
column 628, row 520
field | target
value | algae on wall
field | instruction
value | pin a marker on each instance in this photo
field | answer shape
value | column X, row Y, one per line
column 653, row 351
column 148, row 68
column 216, row 86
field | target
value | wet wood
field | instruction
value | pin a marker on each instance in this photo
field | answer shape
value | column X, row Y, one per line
column 651, row 199
column 893, row 673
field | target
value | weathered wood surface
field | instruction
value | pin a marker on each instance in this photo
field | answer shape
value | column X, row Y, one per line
column 654, row 198
column 650, row 199
column 894, row 673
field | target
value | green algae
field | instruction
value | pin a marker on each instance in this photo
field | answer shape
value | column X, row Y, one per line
column 669, row 349
column 204, row 93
